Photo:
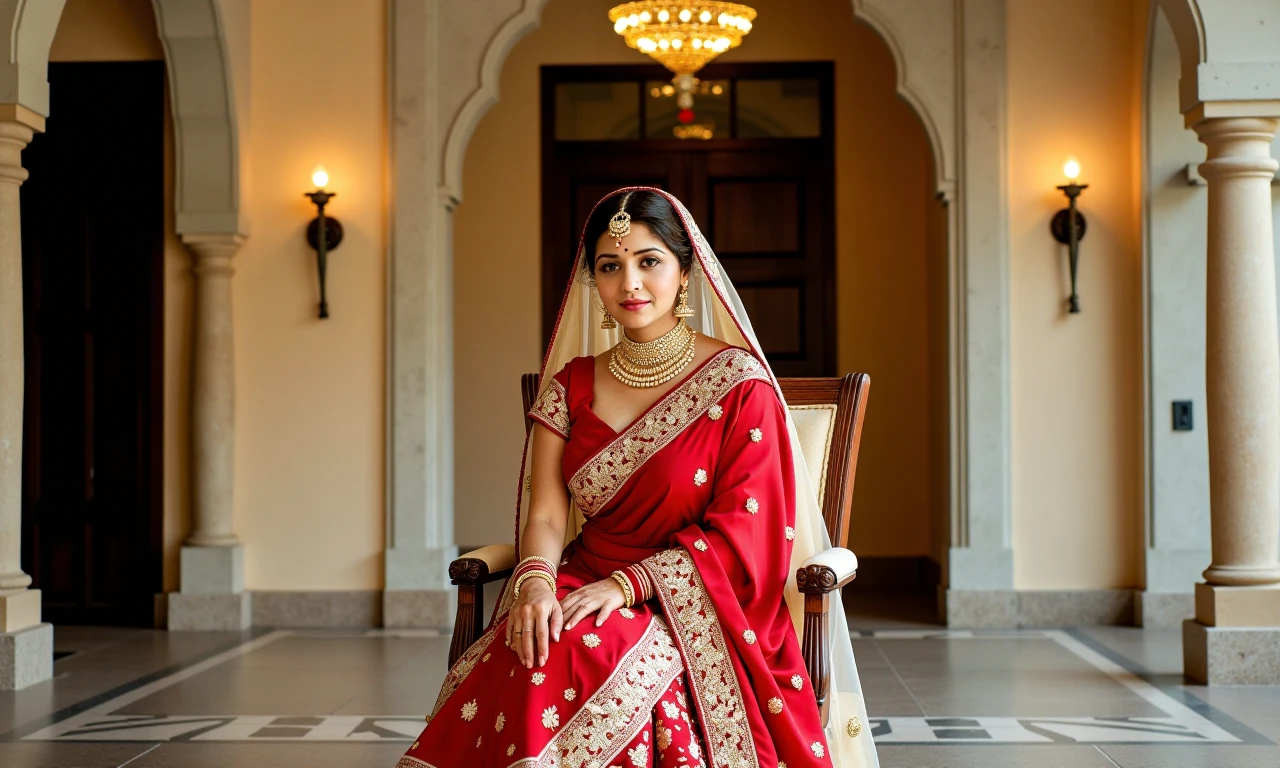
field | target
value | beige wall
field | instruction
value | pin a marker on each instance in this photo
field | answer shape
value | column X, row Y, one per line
column 1074, row 89
column 310, row 393
column 882, row 197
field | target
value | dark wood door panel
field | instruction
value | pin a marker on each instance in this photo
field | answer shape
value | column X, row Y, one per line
column 93, row 323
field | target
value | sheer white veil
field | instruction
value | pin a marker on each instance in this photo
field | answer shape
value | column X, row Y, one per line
column 719, row 313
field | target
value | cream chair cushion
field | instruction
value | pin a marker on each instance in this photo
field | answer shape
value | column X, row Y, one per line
column 815, row 426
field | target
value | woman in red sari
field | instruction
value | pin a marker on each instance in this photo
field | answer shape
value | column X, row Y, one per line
column 661, row 634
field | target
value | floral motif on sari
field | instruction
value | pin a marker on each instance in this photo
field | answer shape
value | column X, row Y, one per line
column 551, row 409
column 696, row 629
column 462, row 668
column 615, row 713
column 599, row 479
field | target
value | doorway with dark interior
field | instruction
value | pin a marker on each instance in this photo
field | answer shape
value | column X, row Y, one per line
column 92, row 261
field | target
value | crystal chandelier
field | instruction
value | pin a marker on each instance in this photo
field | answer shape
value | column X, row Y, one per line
column 682, row 38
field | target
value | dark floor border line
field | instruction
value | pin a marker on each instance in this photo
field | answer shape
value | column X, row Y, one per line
column 1175, row 691
column 22, row 731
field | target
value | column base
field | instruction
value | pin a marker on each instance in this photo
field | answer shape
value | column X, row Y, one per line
column 26, row 657
column 1162, row 610
column 209, row 613
column 419, row 607
column 1231, row 655
column 1218, row 606
column 212, row 570
column 19, row 609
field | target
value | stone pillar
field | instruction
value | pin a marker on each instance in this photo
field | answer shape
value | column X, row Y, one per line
column 26, row 644
column 420, row 542
column 212, row 595
column 1235, row 637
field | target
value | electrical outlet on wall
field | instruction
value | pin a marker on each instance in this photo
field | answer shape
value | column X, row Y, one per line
column 1182, row 419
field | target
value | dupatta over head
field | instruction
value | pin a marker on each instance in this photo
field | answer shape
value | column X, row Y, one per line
column 718, row 313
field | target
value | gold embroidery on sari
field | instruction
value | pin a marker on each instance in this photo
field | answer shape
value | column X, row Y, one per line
column 552, row 408
column 412, row 762
column 461, row 669
column 598, row 480
column 612, row 717
column 696, row 629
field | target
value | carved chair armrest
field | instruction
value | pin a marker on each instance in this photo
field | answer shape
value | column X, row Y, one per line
column 827, row 571
column 821, row 575
column 483, row 565
column 471, row 572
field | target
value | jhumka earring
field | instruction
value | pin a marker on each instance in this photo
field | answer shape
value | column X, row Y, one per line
column 606, row 320
column 683, row 309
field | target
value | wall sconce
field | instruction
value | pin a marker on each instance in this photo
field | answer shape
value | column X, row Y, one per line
column 324, row 233
column 1068, row 225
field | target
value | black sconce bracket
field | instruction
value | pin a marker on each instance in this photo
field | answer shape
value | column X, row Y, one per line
column 324, row 234
column 1068, row 227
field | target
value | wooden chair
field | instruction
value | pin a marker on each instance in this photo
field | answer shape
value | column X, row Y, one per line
column 828, row 414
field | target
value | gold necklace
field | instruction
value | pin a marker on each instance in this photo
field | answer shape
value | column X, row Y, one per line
column 652, row 363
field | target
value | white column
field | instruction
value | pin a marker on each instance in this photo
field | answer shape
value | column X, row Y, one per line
column 212, row 595
column 26, row 645
column 1235, row 637
column 13, row 138
column 1243, row 353
column 212, row 391
column 420, row 542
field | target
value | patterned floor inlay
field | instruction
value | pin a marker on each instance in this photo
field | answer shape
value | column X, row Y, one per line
column 1177, row 722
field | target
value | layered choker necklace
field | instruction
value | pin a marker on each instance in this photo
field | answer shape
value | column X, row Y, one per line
column 652, row 363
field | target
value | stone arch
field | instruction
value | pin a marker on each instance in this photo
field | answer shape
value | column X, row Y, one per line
column 207, row 194
column 951, row 69
column 916, row 85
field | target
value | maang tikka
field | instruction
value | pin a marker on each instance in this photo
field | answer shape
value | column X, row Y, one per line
column 620, row 226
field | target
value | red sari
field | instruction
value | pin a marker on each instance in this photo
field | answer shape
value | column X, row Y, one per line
column 697, row 494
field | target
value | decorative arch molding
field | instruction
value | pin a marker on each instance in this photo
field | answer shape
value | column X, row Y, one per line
column 207, row 194
column 1227, row 53
column 446, row 62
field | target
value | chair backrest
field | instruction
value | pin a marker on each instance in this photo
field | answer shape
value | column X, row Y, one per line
column 828, row 414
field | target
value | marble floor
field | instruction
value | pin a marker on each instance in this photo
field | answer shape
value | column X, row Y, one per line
column 1071, row 698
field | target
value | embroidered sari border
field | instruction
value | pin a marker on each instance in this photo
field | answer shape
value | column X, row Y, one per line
column 599, row 479
column 610, row 720
column 551, row 409
column 712, row 679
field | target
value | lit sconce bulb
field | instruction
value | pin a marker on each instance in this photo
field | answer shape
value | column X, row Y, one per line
column 685, row 15
column 320, row 177
column 1071, row 169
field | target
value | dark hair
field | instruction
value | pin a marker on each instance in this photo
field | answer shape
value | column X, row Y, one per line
column 648, row 208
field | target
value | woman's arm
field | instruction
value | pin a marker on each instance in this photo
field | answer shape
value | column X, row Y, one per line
column 536, row 614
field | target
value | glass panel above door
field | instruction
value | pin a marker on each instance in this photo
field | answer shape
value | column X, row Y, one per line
column 781, row 108
column 598, row 111
column 710, row 111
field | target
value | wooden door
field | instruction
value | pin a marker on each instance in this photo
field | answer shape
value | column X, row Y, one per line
column 765, row 204
column 92, row 258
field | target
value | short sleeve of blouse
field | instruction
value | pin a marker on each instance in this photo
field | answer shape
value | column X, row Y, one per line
column 551, row 409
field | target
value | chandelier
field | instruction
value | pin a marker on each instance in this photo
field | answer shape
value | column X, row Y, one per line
column 682, row 38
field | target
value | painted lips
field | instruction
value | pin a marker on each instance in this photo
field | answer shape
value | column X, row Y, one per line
column 633, row 305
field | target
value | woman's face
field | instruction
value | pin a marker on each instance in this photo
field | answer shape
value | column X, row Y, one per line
column 639, row 280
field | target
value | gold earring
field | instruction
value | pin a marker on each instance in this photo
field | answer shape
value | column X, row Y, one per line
column 606, row 321
column 683, row 309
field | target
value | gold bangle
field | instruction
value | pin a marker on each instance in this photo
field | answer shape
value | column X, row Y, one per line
column 535, row 558
column 515, row 595
column 628, row 596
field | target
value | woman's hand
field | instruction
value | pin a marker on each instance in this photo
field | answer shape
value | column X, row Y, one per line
column 604, row 596
column 534, row 620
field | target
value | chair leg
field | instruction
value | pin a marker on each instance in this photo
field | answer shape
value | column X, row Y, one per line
column 814, row 648
column 469, row 622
